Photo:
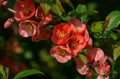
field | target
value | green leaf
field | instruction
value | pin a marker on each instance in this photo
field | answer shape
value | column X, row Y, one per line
column 113, row 13
column 60, row 6
column 27, row 73
column 55, row 9
column 65, row 18
column 45, row 1
column 45, row 7
column 38, row 1
column 116, row 53
column 92, row 6
column 113, row 36
column 83, row 58
column 72, row 13
column 82, row 9
column 113, row 21
column 97, row 27
column 68, row 2
column 2, row 73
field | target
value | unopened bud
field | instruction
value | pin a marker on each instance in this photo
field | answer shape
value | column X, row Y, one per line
column 8, row 23
column 5, row 3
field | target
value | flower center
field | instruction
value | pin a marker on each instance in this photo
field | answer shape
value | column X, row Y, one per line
column 29, row 26
column 73, row 44
column 77, row 28
column 62, row 52
column 62, row 35
column 26, row 11
column 40, row 14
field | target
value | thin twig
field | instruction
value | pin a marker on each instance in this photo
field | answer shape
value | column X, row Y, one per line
column 11, row 10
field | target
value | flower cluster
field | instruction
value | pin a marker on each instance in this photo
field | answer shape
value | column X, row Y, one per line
column 71, row 38
column 32, row 20
column 95, row 62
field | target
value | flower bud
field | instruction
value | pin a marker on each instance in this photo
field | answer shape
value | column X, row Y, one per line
column 8, row 23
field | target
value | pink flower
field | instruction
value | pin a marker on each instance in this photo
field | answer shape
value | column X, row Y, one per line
column 27, row 28
column 61, row 53
column 101, row 77
column 61, row 33
column 79, row 27
column 24, row 10
column 95, row 55
column 81, row 67
column 103, row 69
column 99, row 55
column 98, row 59
column 76, row 43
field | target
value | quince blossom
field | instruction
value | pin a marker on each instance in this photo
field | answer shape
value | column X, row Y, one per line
column 61, row 33
column 41, row 32
column 95, row 59
column 24, row 10
column 73, row 34
column 39, row 14
column 81, row 67
column 61, row 53
column 79, row 27
column 76, row 44
column 27, row 28
column 95, row 55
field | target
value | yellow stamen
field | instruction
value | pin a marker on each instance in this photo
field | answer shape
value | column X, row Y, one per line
column 73, row 44
column 62, row 52
column 29, row 26
column 26, row 10
column 62, row 35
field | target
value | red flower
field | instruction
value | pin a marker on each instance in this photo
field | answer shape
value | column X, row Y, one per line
column 24, row 10
column 76, row 44
column 90, row 74
column 61, row 53
column 41, row 15
column 80, row 29
column 61, row 32
column 42, row 33
column 89, row 43
column 27, row 28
